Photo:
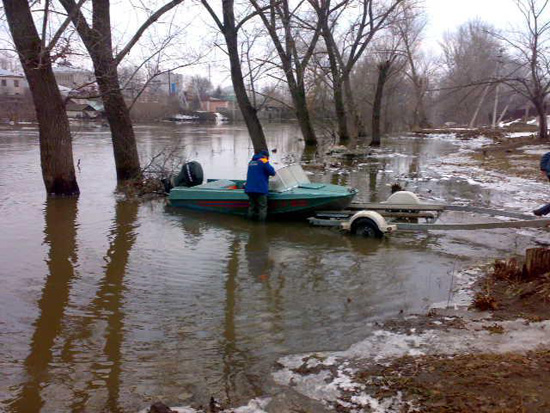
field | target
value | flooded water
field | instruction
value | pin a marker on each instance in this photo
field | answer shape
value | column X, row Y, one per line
column 109, row 305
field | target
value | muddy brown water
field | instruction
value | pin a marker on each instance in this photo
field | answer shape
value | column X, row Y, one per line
column 109, row 305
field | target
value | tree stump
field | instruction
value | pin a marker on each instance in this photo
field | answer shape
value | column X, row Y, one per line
column 537, row 262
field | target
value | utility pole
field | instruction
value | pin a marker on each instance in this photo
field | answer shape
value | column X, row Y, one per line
column 497, row 90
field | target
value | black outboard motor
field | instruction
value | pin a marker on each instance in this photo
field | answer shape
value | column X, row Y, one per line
column 191, row 174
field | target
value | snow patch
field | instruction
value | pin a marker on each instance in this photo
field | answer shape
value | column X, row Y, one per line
column 331, row 386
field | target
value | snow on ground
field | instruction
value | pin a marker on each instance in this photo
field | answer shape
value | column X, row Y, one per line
column 461, row 289
column 333, row 378
column 520, row 134
column 535, row 149
column 521, row 194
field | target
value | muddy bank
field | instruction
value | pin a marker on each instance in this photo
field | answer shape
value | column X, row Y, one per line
column 452, row 359
column 449, row 360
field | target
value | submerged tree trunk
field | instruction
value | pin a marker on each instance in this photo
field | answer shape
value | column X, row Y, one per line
column 304, row 120
column 118, row 116
column 340, row 109
column 56, row 153
column 281, row 16
column 298, row 93
column 420, row 120
column 337, row 87
column 383, row 72
column 248, row 111
column 358, row 127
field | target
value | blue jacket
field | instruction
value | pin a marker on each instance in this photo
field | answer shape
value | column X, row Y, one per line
column 257, row 178
column 545, row 163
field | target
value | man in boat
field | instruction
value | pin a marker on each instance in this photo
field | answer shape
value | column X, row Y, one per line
column 257, row 185
column 545, row 171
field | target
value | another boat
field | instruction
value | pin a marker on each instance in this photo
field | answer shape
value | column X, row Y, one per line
column 291, row 195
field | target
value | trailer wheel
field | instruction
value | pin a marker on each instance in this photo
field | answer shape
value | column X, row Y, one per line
column 366, row 227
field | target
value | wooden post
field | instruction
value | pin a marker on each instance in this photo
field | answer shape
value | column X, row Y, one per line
column 537, row 262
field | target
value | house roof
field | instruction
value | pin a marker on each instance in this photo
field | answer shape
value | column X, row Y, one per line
column 7, row 73
column 78, row 107
column 96, row 105
column 70, row 69
column 212, row 99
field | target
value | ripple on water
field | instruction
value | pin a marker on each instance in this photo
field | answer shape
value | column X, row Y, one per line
column 107, row 305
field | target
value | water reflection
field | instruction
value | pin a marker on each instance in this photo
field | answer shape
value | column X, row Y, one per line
column 106, row 309
column 230, row 345
column 60, row 235
column 257, row 252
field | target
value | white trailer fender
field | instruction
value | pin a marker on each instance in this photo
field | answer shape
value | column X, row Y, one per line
column 373, row 216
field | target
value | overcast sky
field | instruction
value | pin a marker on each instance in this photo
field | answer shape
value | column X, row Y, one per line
column 443, row 16
column 447, row 15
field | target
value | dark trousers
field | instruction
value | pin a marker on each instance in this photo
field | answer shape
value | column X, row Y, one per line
column 544, row 210
column 257, row 209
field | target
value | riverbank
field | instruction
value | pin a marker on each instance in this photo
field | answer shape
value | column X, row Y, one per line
column 452, row 359
column 457, row 359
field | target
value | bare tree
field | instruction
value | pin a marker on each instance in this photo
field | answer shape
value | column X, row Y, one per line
column 530, row 51
column 470, row 57
column 56, row 153
column 97, row 39
column 288, row 31
column 229, row 27
column 390, row 60
column 345, row 50
column 199, row 86
column 410, row 26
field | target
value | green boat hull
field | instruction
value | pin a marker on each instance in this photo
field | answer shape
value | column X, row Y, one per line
column 296, row 202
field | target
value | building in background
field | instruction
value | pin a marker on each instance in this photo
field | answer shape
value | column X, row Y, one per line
column 12, row 84
column 210, row 104
column 73, row 77
column 163, row 85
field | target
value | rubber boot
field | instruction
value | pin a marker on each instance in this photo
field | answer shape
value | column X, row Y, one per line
column 542, row 210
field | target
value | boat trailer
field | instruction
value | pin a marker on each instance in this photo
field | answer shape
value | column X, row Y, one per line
column 402, row 211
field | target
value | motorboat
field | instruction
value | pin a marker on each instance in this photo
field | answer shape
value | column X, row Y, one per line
column 291, row 195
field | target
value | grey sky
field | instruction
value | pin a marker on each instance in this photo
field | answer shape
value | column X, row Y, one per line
column 447, row 15
column 443, row 15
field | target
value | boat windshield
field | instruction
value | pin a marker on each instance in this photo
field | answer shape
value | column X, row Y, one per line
column 288, row 177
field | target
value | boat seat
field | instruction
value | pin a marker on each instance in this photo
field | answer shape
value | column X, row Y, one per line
column 219, row 184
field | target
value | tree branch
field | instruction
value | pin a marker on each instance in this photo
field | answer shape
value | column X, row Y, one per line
column 152, row 19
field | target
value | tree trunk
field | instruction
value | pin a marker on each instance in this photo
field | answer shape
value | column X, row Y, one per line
column 337, row 88
column 358, row 127
column 56, row 152
column 118, row 116
column 420, row 119
column 340, row 109
column 248, row 111
column 98, row 41
column 298, row 93
column 540, row 107
column 383, row 70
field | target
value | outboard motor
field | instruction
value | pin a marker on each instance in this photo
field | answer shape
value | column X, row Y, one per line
column 191, row 174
